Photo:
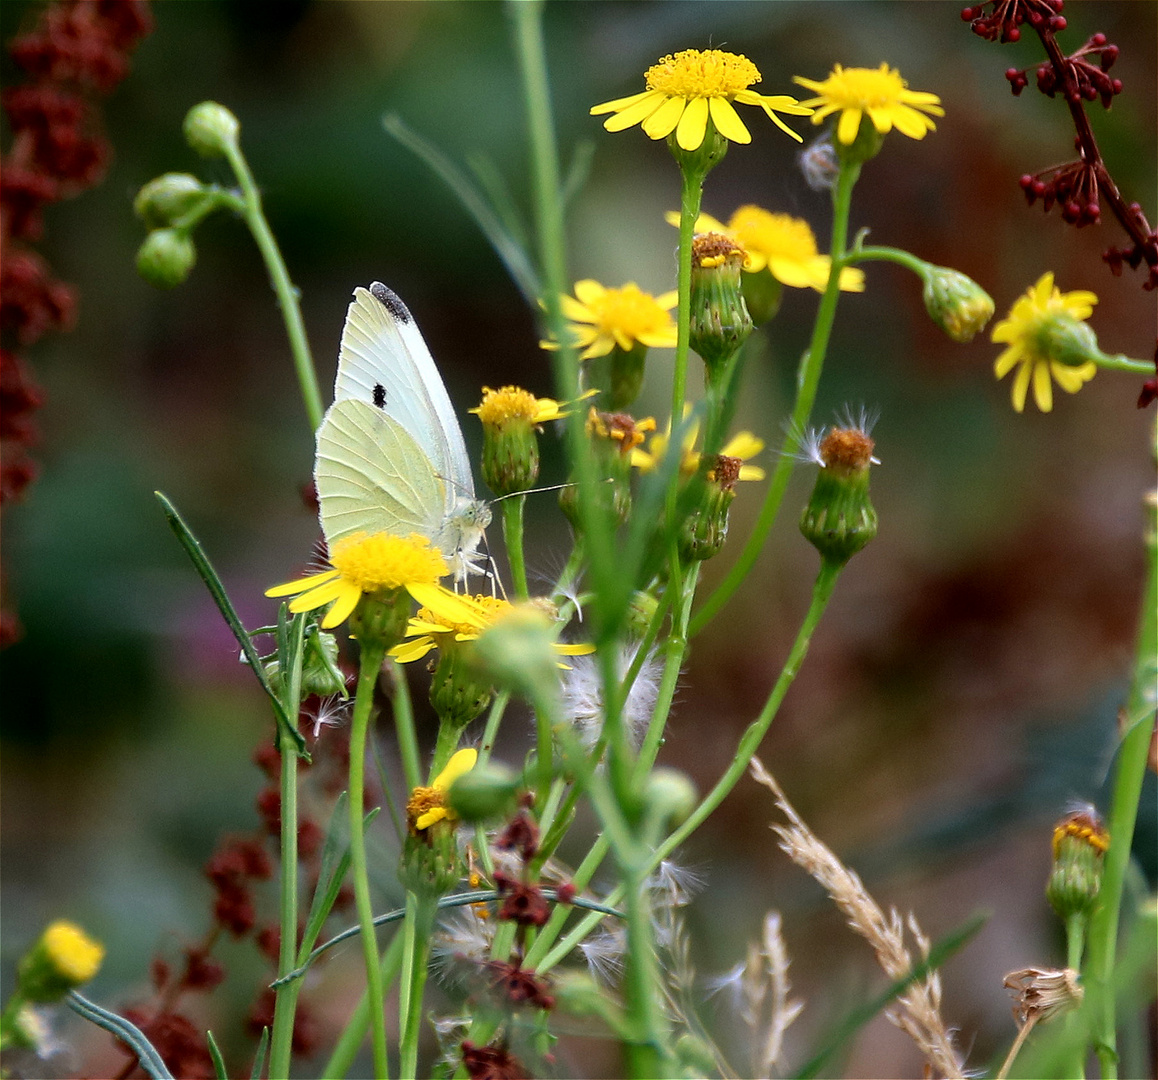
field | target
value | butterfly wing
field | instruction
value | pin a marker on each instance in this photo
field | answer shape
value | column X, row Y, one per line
column 383, row 348
column 372, row 476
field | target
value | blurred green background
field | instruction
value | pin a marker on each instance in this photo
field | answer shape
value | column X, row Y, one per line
column 964, row 684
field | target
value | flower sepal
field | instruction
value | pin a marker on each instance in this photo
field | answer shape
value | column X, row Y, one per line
column 720, row 322
column 696, row 164
column 459, row 691
column 430, row 865
column 381, row 618
column 704, row 530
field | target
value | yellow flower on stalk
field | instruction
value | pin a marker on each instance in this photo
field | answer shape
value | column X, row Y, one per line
column 1030, row 329
column 602, row 318
column 738, row 449
column 783, row 244
column 427, row 805
column 879, row 93
column 364, row 564
column 74, row 955
column 512, row 403
column 684, row 91
column 458, row 618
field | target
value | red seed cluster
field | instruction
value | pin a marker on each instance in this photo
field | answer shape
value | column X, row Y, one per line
column 491, row 1062
column 1003, row 23
column 1073, row 187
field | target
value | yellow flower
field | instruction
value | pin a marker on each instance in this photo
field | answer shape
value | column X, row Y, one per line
column 75, row 956
column 685, row 90
column 500, row 407
column 464, row 617
column 428, row 804
column 739, row 448
column 783, row 244
column 364, row 564
column 880, row 93
column 1027, row 332
column 601, row 318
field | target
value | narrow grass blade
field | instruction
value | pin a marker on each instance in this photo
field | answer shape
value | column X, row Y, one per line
column 207, row 574
column 215, row 1054
column 124, row 1030
column 259, row 1058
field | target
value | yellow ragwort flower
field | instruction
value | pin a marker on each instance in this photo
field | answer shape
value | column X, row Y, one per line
column 500, row 407
column 75, row 956
column 362, row 564
column 783, row 244
column 427, row 805
column 601, row 318
column 880, row 93
column 1026, row 333
column 685, row 90
column 741, row 447
column 464, row 617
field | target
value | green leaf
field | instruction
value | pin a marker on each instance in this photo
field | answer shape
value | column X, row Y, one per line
column 207, row 574
column 215, row 1054
column 513, row 256
column 260, row 1056
column 938, row 954
column 124, row 1030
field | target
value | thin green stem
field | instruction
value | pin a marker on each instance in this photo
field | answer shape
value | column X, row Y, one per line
column 645, row 1050
column 372, row 658
column 1129, row 774
column 691, row 194
column 420, row 915
column 284, row 289
column 865, row 253
column 404, row 727
column 512, row 509
column 1119, row 362
column 285, row 1002
column 490, row 732
column 807, row 381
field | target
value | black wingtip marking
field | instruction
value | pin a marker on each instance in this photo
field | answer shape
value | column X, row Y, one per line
column 391, row 301
column 379, row 396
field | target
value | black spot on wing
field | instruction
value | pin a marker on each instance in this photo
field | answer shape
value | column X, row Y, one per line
column 379, row 396
column 391, row 301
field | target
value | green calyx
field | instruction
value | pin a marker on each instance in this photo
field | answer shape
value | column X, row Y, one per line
column 840, row 519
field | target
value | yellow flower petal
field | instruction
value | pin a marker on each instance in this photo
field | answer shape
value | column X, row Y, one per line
column 435, row 814
column 743, row 445
column 619, row 103
column 727, row 121
column 1020, row 387
column 849, row 125
column 1042, row 387
column 409, row 651
column 343, row 606
column 317, row 596
column 751, row 472
column 663, row 121
column 301, row 585
column 634, row 113
column 693, row 124
column 461, row 761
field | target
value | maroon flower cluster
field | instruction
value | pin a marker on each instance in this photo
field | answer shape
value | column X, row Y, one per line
column 76, row 50
column 1081, row 189
column 491, row 1062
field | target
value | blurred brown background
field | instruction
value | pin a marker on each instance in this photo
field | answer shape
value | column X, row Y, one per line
column 964, row 683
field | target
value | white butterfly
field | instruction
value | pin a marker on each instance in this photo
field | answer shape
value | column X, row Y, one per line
column 391, row 456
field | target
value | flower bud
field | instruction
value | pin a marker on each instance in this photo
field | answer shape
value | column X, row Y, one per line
column 166, row 257
column 510, row 456
column 956, row 303
column 516, row 652
column 614, row 436
column 65, row 957
column 1068, row 340
column 670, row 795
column 485, row 793
column 720, row 322
column 704, row 530
column 430, row 863
column 1080, row 841
column 839, row 519
column 165, row 198
column 320, row 672
column 211, row 129
column 381, row 618
column 457, row 691
column 641, row 609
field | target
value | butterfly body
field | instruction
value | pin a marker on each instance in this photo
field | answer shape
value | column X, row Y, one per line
column 391, row 456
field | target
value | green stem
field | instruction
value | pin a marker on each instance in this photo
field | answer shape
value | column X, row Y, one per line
column 404, row 727
column 284, row 289
column 1075, row 940
column 645, row 1049
column 372, row 659
column 490, row 732
column 691, row 194
column 346, row 1048
column 889, row 254
column 807, row 380
column 285, row 1002
column 1130, row 772
column 513, row 535
column 1119, row 362
column 420, row 915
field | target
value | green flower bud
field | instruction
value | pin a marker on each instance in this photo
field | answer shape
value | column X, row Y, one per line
column 320, row 672
column 1080, row 842
column 762, row 295
column 211, row 129
column 430, row 864
column 516, row 652
column 704, row 530
column 1068, row 340
column 956, row 303
column 457, row 691
column 381, row 618
column 166, row 257
column 720, row 322
column 613, row 436
column 166, row 198
column 839, row 519
column 641, row 609
column 510, row 457
column 670, row 795
column 63, row 958
column 485, row 793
